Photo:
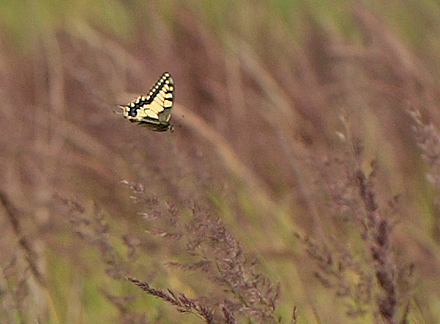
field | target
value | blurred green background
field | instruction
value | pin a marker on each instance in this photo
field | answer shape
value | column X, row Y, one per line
column 277, row 105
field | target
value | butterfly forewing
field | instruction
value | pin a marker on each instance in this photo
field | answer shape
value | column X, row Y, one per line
column 154, row 110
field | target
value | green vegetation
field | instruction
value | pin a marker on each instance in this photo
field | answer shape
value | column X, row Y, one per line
column 300, row 185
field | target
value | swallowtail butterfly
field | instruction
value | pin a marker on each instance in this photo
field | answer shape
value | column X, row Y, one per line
column 153, row 110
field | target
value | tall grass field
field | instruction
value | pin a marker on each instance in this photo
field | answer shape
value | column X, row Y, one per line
column 301, row 183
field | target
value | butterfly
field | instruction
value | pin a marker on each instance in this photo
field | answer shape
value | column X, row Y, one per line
column 153, row 110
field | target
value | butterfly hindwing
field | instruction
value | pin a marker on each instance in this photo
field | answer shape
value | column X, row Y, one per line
column 153, row 110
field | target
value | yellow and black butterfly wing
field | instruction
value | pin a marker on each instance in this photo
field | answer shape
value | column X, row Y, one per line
column 154, row 110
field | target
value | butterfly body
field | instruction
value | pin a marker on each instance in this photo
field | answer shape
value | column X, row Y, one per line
column 153, row 110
